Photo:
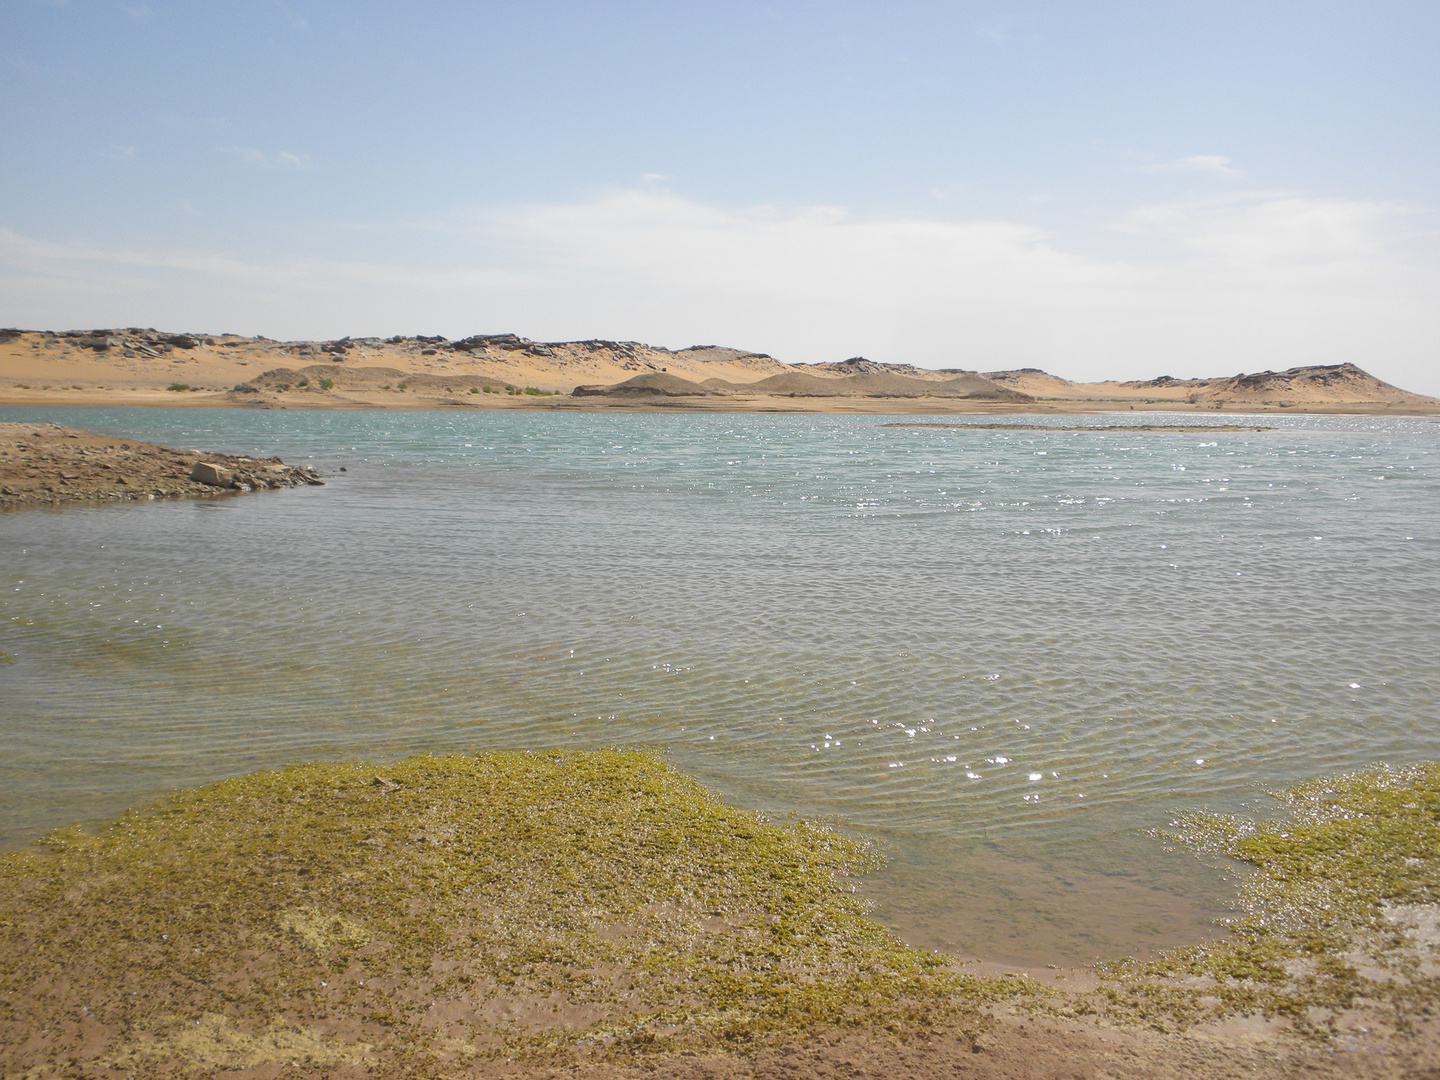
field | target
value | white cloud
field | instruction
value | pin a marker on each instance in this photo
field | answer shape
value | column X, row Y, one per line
column 279, row 159
column 47, row 285
column 1213, row 164
column 1243, row 282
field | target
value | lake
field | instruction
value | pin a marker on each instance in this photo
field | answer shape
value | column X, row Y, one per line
column 1003, row 655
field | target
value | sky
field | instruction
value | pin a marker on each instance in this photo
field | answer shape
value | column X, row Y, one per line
column 1099, row 189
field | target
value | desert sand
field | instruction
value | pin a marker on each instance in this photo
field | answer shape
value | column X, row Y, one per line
column 136, row 366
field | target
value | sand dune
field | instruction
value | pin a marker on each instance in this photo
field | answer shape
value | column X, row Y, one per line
column 660, row 383
column 149, row 367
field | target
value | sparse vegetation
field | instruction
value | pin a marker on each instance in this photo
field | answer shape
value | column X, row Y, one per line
column 178, row 386
column 327, row 384
column 303, row 382
column 1333, row 891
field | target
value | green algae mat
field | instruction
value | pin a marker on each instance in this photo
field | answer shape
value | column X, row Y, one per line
column 443, row 907
column 409, row 920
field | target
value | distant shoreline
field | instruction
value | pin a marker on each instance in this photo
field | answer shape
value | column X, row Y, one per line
column 135, row 367
column 803, row 406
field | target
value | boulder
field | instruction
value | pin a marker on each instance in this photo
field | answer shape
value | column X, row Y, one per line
column 213, row 475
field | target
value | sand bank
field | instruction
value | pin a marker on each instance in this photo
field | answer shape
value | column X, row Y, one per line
column 1087, row 427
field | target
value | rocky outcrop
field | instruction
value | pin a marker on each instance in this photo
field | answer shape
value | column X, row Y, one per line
column 858, row 365
column 46, row 464
column 134, row 341
column 488, row 341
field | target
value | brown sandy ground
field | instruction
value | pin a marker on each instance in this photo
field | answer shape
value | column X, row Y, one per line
column 139, row 366
column 46, row 464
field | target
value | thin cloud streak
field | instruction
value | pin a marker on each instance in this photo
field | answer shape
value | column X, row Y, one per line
column 280, row 159
column 1214, row 164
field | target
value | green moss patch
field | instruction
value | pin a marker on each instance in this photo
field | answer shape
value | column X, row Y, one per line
column 443, row 907
column 1338, row 919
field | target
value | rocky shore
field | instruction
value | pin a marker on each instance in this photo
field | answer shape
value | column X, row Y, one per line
column 46, row 464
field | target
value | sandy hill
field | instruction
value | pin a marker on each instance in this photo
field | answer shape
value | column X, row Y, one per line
column 657, row 383
column 879, row 384
column 859, row 365
column 146, row 366
column 141, row 362
column 1307, row 385
column 1035, row 382
column 1326, row 388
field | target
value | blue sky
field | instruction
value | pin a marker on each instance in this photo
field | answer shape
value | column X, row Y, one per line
column 1097, row 189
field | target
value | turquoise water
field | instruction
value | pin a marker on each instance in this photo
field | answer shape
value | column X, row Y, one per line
column 1005, row 655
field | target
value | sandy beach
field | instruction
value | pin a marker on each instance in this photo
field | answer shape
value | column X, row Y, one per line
column 145, row 367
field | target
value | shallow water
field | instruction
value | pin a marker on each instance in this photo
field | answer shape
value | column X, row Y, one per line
column 1004, row 654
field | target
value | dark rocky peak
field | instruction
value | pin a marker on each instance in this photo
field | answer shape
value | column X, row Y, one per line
column 498, row 341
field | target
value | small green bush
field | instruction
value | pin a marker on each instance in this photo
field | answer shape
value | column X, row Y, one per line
column 173, row 386
column 327, row 384
column 303, row 382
